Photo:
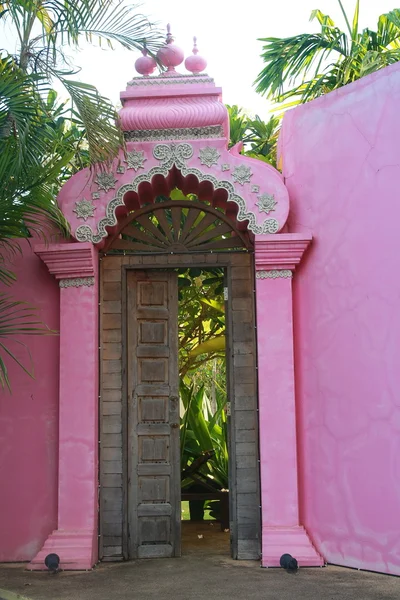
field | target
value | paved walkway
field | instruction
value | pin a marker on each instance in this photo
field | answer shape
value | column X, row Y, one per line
column 197, row 578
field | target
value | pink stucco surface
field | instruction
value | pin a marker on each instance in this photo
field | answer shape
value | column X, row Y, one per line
column 74, row 538
column 281, row 529
column 29, row 422
column 341, row 162
column 277, row 419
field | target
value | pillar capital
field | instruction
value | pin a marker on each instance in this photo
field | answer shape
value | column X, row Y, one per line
column 278, row 255
column 73, row 264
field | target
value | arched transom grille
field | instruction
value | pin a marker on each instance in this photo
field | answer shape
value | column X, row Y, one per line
column 184, row 226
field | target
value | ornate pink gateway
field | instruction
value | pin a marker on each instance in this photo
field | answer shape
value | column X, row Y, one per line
column 177, row 130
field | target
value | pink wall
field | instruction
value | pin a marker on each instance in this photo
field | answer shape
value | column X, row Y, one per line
column 341, row 161
column 29, row 423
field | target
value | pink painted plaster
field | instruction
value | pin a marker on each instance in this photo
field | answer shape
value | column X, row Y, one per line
column 75, row 537
column 275, row 258
column 341, row 163
column 81, row 186
column 191, row 104
column 29, row 421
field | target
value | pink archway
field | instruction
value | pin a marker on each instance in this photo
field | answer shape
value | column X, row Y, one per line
column 177, row 131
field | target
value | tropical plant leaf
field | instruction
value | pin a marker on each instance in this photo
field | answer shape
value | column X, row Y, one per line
column 303, row 67
column 218, row 306
column 212, row 346
column 16, row 319
column 203, row 432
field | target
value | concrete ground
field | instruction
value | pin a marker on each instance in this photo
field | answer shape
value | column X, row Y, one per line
column 196, row 578
column 205, row 572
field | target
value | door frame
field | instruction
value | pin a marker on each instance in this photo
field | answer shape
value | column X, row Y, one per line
column 248, row 524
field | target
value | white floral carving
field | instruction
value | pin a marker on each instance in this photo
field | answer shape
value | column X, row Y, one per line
column 84, row 209
column 242, row 174
column 266, row 203
column 255, row 189
column 76, row 282
column 173, row 154
column 106, row 181
column 274, row 274
column 225, row 167
column 209, row 156
column 95, row 195
column 135, row 159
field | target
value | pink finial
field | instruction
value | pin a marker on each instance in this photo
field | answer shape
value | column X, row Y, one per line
column 170, row 39
column 145, row 65
column 170, row 55
column 195, row 63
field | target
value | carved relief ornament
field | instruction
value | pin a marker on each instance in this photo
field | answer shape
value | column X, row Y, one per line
column 169, row 155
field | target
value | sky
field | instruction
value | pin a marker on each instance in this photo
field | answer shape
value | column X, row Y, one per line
column 227, row 36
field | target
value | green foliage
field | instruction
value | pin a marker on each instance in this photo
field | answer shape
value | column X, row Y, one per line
column 259, row 137
column 204, row 430
column 16, row 318
column 45, row 28
column 202, row 371
column 201, row 318
column 302, row 67
column 43, row 142
column 238, row 125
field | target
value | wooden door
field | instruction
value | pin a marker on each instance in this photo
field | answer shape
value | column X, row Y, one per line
column 153, row 415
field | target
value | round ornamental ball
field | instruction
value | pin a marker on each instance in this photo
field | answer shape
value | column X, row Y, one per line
column 145, row 65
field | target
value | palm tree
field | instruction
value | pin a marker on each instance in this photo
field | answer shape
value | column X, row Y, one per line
column 43, row 142
column 45, row 27
column 305, row 66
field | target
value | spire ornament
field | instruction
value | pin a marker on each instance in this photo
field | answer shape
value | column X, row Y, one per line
column 170, row 55
column 195, row 63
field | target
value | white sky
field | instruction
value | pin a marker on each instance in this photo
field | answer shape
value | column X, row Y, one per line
column 227, row 33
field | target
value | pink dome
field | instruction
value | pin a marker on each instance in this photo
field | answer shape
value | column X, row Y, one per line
column 170, row 55
column 195, row 63
column 145, row 65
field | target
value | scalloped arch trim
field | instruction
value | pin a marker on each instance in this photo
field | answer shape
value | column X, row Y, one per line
column 173, row 155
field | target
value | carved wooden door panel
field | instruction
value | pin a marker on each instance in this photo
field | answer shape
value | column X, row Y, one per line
column 153, row 415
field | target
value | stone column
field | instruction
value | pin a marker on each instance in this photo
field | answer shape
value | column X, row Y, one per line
column 276, row 257
column 75, row 540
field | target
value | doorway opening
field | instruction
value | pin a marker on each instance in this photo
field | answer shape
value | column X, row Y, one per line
column 204, row 411
column 162, row 249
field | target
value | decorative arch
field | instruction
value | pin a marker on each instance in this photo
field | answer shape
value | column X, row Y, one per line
column 177, row 226
column 176, row 131
column 173, row 157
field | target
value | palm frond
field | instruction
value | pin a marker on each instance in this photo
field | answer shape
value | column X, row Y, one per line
column 288, row 59
column 16, row 319
column 388, row 33
column 97, row 116
column 237, row 124
column 97, row 21
column 306, row 66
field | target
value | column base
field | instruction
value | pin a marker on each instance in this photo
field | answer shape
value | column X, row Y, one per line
column 77, row 550
column 288, row 540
